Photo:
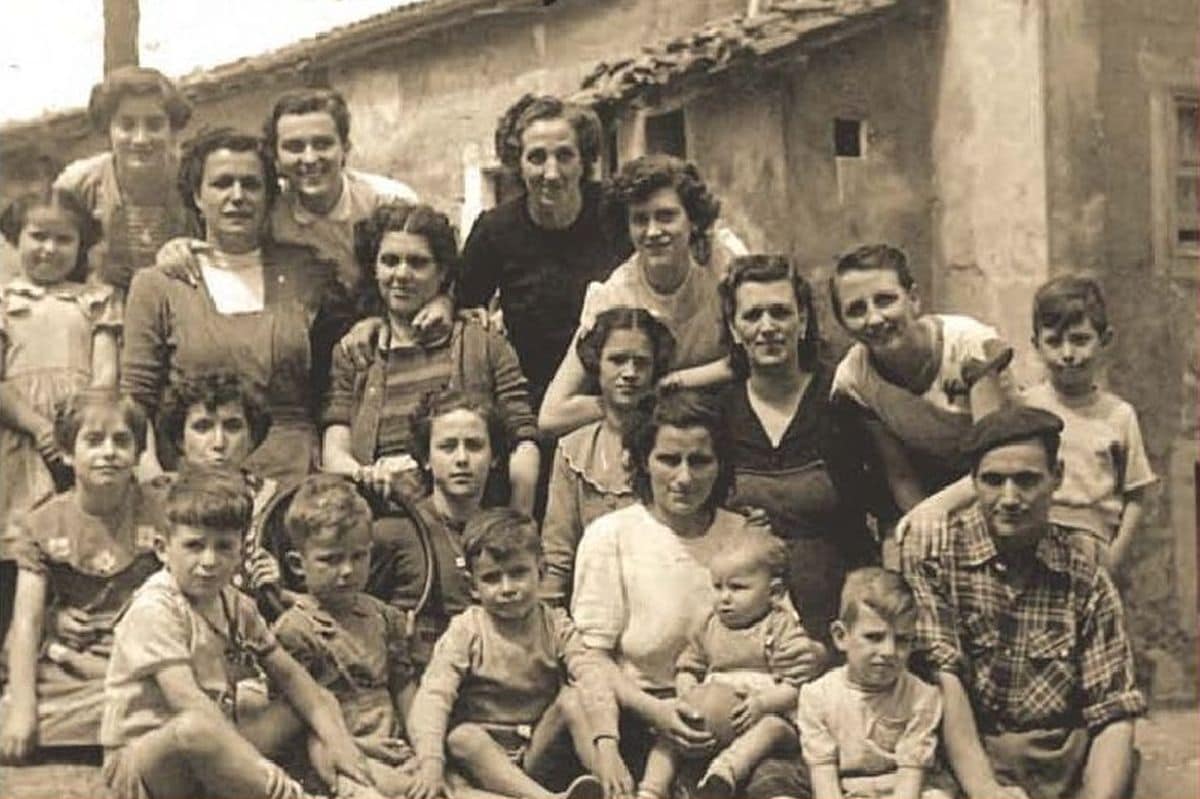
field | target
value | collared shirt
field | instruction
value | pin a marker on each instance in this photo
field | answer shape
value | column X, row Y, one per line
column 1043, row 647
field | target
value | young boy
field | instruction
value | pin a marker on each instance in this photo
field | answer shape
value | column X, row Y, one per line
column 734, row 645
column 351, row 643
column 869, row 728
column 171, row 725
column 1105, row 470
column 493, row 692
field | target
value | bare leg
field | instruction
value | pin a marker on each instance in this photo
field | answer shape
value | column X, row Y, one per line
column 565, row 714
column 733, row 764
column 488, row 764
column 661, row 765
column 272, row 728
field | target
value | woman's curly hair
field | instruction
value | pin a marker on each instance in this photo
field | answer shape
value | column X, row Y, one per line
column 404, row 217
column 211, row 389
column 769, row 269
column 529, row 109
column 195, row 156
column 642, row 177
column 591, row 344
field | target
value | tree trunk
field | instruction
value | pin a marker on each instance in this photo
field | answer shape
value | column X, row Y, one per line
column 120, row 34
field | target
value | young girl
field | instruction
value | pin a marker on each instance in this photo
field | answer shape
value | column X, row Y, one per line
column 79, row 557
column 57, row 335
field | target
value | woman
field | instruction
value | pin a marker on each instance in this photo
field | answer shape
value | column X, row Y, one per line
column 543, row 247
column 408, row 252
column 129, row 189
column 253, row 310
column 458, row 438
column 642, row 582
column 663, row 206
column 795, row 455
column 625, row 353
column 919, row 380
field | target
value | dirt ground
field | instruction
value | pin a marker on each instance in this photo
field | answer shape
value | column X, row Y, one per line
column 1169, row 740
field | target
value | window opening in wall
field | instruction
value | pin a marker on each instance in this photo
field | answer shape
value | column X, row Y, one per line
column 612, row 158
column 848, row 138
column 665, row 133
column 1187, row 177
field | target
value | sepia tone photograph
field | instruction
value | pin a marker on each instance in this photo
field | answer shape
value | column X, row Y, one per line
column 714, row 399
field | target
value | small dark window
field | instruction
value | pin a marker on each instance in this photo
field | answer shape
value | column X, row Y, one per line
column 612, row 158
column 665, row 133
column 847, row 138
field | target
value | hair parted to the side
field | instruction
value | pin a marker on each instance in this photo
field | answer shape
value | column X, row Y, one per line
column 400, row 216
column 130, row 81
column 325, row 503
column 211, row 498
column 642, row 177
column 680, row 409
column 195, row 157
column 591, row 344
column 70, row 414
column 439, row 403
column 883, row 591
column 501, row 533
column 769, row 269
column 1068, row 300
column 308, row 101
column 529, row 109
column 16, row 213
column 870, row 257
column 212, row 390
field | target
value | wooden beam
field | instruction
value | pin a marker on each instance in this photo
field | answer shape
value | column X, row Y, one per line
column 120, row 34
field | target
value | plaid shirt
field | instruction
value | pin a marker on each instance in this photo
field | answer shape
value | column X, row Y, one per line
column 1044, row 649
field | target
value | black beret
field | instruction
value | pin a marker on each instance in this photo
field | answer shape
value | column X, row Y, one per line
column 1006, row 425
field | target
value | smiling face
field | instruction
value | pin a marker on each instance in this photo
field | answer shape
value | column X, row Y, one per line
column 744, row 589
column 48, row 244
column 626, row 368
column 683, row 469
column 406, row 272
column 202, row 560
column 217, row 437
column 551, row 165
column 768, row 323
column 661, row 231
column 140, row 133
column 105, row 450
column 460, row 454
column 336, row 564
column 1072, row 355
column 876, row 310
column 507, row 588
column 232, row 198
column 1015, row 483
column 876, row 651
column 310, row 155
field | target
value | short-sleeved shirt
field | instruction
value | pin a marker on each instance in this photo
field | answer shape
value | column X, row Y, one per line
column 358, row 654
column 481, row 673
column 51, row 327
column 867, row 733
column 1103, row 458
column 930, row 425
column 692, row 312
column 1047, row 649
column 160, row 629
column 714, row 649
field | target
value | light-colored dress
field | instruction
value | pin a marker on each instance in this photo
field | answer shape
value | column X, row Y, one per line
column 46, row 333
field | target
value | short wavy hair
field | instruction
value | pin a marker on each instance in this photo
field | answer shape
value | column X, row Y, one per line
column 1068, row 300
column 623, row 317
column 209, row 497
column 70, row 414
column 402, row 216
column 325, row 502
column 125, row 82
column 642, row 177
column 768, row 269
column 211, row 389
column 681, row 408
column 529, row 109
column 439, row 403
column 884, row 591
column 866, row 258
column 195, row 157
column 308, row 101
column 501, row 533
column 15, row 214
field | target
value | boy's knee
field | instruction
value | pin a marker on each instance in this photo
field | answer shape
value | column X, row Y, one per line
column 568, row 703
column 196, row 734
column 466, row 741
column 777, row 727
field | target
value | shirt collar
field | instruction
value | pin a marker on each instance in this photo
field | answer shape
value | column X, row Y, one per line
column 339, row 213
column 976, row 547
column 25, row 287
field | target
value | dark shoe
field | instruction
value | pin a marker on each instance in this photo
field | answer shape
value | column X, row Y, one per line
column 715, row 786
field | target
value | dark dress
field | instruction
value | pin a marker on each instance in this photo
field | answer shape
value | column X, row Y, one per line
column 542, row 275
column 811, row 487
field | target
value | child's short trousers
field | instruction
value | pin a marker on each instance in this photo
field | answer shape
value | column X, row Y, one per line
column 124, row 766
column 513, row 738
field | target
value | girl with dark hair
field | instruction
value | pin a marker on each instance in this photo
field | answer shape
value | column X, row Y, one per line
column 408, row 253
column 253, row 311
column 58, row 334
column 796, row 456
column 661, row 205
column 128, row 188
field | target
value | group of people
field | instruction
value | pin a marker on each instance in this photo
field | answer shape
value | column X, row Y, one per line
column 302, row 498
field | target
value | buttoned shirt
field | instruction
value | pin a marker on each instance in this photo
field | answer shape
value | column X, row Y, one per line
column 1036, row 647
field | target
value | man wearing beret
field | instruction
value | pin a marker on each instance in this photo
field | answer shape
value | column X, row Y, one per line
column 1024, row 632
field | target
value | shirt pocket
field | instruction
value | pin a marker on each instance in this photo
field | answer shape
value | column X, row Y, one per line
column 1051, row 675
column 886, row 732
column 979, row 636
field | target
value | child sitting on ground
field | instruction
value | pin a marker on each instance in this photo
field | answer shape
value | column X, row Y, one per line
column 351, row 643
column 171, row 724
column 492, row 695
column 869, row 728
column 734, row 645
